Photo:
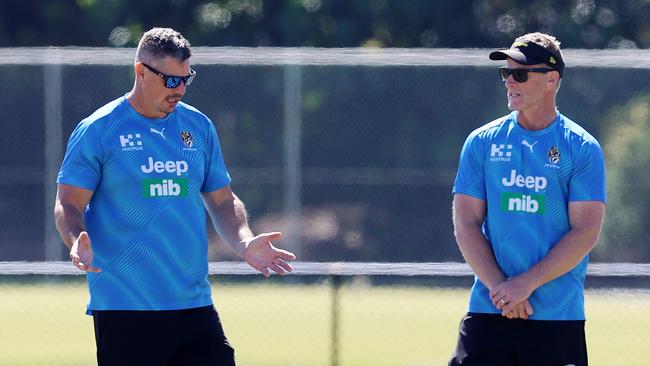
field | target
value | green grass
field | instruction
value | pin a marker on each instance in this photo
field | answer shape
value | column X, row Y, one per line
column 43, row 323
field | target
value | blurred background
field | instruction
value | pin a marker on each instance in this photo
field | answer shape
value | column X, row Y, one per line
column 326, row 23
column 377, row 146
column 352, row 161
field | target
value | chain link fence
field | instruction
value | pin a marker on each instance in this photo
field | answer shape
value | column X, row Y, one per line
column 351, row 153
column 325, row 314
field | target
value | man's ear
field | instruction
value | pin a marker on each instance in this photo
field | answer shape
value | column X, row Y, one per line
column 553, row 78
column 139, row 70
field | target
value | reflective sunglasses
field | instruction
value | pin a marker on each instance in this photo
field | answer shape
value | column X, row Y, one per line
column 173, row 82
column 520, row 75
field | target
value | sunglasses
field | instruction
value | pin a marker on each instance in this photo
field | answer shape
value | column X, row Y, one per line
column 173, row 82
column 520, row 75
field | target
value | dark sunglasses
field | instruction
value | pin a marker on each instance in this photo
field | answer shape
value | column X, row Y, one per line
column 173, row 82
column 520, row 75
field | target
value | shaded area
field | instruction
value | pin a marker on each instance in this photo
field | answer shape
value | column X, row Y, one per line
column 327, row 23
column 379, row 151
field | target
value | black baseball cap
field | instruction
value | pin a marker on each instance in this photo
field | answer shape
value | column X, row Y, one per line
column 529, row 53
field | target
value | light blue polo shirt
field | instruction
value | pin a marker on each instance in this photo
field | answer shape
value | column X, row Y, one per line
column 528, row 179
column 146, row 219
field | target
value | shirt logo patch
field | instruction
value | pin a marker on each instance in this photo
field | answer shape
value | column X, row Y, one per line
column 186, row 137
column 528, row 145
column 524, row 203
column 554, row 155
column 538, row 183
column 500, row 152
column 179, row 167
column 161, row 132
column 131, row 142
column 152, row 188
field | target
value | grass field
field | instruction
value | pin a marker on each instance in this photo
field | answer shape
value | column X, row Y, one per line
column 43, row 323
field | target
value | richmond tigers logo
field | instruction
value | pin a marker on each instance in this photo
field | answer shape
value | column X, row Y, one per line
column 187, row 139
column 554, row 155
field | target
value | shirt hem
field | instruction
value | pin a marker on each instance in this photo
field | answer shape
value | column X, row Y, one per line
column 131, row 307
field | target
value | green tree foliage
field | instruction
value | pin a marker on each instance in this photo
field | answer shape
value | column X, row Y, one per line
column 380, row 145
column 627, row 150
column 327, row 23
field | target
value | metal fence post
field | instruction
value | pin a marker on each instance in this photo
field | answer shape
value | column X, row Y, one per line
column 292, row 155
column 53, row 151
column 336, row 281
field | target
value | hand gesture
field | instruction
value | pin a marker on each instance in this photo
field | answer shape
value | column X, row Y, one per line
column 511, row 297
column 81, row 253
column 263, row 256
column 520, row 311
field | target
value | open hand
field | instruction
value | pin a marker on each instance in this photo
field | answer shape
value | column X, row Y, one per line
column 81, row 253
column 264, row 257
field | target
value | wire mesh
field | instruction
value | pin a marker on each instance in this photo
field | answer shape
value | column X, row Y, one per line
column 378, row 143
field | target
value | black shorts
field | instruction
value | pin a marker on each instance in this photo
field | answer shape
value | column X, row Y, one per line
column 491, row 339
column 161, row 338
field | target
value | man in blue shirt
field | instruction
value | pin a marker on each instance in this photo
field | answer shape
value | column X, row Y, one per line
column 529, row 203
column 132, row 189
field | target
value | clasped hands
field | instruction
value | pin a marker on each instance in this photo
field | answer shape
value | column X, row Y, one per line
column 511, row 297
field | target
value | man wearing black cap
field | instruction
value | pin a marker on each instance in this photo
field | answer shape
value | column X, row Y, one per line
column 529, row 202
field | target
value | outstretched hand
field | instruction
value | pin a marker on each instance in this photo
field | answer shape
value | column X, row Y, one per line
column 81, row 253
column 264, row 257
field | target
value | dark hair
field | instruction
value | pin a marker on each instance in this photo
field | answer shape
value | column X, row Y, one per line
column 159, row 43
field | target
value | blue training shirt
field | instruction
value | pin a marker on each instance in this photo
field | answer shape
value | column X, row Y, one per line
column 146, row 219
column 528, row 179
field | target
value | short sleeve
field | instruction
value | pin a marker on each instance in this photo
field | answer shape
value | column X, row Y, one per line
column 470, row 178
column 81, row 165
column 216, row 176
column 588, row 178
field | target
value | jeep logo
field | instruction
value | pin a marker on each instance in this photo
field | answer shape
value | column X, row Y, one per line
column 530, row 182
column 178, row 167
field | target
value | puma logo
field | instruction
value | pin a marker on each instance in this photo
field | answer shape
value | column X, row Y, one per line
column 158, row 132
column 528, row 145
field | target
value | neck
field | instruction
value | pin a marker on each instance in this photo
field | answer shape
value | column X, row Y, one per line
column 536, row 119
column 137, row 101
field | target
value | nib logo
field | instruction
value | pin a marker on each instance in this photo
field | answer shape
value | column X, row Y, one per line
column 528, row 203
column 164, row 187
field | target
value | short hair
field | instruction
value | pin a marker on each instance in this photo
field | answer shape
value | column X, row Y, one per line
column 542, row 39
column 158, row 43
column 547, row 41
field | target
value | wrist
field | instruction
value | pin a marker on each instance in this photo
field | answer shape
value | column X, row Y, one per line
column 242, row 246
column 74, row 234
column 495, row 282
column 528, row 281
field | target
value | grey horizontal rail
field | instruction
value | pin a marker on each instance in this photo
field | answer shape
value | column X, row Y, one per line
column 619, row 58
column 446, row 269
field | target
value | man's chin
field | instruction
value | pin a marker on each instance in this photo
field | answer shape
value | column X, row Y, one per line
column 169, row 108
